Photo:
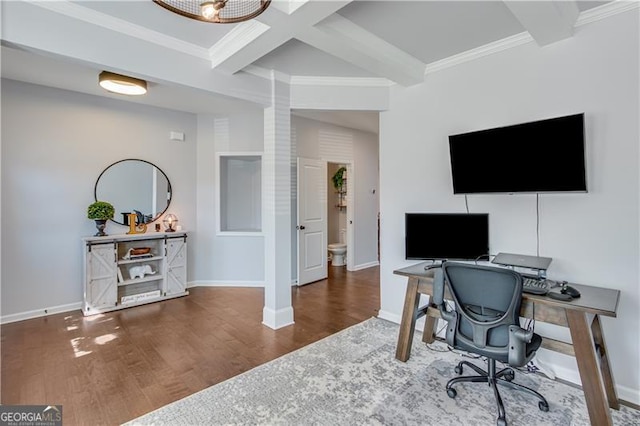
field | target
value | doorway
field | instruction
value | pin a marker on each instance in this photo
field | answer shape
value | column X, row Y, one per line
column 337, row 210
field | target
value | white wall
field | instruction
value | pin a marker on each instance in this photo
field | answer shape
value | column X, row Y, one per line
column 319, row 140
column 225, row 259
column 592, row 238
column 55, row 145
column 365, row 200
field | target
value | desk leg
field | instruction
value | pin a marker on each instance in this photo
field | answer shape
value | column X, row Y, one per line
column 408, row 324
column 592, row 384
column 429, row 332
column 601, row 349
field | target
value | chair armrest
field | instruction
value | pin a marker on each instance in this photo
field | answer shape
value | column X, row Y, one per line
column 518, row 339
column 520, row 333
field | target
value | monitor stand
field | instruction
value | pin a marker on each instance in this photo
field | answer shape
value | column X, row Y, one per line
column 433, row 264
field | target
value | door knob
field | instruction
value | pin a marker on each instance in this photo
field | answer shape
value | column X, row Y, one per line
column 300, row 227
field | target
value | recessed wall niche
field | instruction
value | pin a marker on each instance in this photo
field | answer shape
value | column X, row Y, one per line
column 240, row 192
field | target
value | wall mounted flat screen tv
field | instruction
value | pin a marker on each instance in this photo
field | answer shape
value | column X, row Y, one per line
column 449, row 236
column 540, row 156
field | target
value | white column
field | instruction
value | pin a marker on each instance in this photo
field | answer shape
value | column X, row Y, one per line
column 276, row 192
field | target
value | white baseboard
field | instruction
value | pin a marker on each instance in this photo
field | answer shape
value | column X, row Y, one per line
column 628, row 394
column 277, row 319
column 225, row 283
column 365, row 266
column 21, row 316
column 389, row 316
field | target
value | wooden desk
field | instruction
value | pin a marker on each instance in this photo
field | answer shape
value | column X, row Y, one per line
column 588, row 346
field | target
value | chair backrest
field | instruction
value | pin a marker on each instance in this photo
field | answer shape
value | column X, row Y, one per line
column 487, row 301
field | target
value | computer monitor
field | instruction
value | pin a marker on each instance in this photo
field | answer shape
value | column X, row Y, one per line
column 446, row 236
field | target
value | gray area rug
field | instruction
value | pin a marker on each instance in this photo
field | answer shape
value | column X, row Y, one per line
column 353, row 378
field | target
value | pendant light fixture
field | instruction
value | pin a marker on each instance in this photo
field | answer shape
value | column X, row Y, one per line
column 216, row 11
column 122, row 84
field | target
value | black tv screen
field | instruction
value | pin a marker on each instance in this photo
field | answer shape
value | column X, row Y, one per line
column 446, row 236
column 540, row 156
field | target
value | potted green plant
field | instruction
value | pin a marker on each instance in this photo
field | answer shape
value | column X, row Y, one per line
column 100, row 211
column 338, row 178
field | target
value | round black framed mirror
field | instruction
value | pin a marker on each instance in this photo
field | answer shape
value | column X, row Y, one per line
column 134, row 186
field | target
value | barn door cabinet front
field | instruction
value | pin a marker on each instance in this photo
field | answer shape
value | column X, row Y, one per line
column 129, row 270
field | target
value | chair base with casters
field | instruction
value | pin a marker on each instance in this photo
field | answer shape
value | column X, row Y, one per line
column 503, row 377
column 486, row 322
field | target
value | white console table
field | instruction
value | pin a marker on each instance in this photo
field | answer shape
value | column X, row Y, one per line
column 108, row 283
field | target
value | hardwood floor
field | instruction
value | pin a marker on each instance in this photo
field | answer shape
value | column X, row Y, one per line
column 111, row 368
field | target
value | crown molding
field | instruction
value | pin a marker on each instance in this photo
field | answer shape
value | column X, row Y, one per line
column 241, row 35
column 605, row 11
column 597, row 13
column 65, row 7
column 479, row 52
column 300, row 80
column 267, row 73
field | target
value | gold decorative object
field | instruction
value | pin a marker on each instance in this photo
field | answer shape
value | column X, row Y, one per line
column 134, row 226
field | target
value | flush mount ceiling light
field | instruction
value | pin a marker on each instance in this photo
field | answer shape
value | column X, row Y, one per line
column 218, row 11
column 122, row 84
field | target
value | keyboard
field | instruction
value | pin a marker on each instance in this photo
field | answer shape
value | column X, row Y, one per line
column 536, row 286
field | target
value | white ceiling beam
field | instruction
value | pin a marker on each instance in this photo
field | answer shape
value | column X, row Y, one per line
column 546, row 21
column 342, row 38
column 245, row 45
column 235, row 40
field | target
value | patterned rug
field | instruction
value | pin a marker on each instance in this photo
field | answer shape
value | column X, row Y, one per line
column 353, row 378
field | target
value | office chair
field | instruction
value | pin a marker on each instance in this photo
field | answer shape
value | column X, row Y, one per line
column 486, row 322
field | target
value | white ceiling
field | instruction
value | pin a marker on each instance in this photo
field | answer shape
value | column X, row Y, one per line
column 196, row 67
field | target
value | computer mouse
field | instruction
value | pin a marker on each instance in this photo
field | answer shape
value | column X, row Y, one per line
column 567, row 289
column 559, row 296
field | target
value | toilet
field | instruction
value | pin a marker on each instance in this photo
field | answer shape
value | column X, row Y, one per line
column 338, row 251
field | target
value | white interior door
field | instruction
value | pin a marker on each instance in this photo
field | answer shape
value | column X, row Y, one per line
column 312, row 220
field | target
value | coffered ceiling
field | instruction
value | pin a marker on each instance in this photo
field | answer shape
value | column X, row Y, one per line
column 205, row 67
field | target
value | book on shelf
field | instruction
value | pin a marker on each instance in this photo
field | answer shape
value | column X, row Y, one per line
column 138, row 256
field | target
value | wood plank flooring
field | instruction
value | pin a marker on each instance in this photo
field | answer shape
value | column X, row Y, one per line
column 111, row 368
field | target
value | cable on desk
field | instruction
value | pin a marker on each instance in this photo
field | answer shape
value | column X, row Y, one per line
column 531, row 322
column 466, row 203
